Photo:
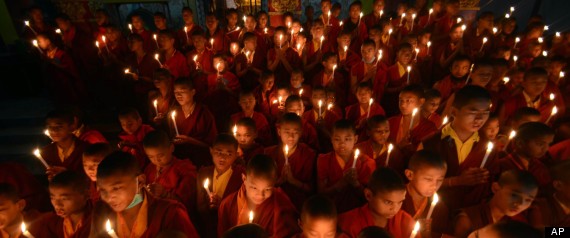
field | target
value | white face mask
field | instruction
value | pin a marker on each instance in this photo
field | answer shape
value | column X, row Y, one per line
column 137, row 199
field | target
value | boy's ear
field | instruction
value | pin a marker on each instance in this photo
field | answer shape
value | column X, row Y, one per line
column 421, row 102
column 495, row 187
column 243, row 177
column 355, row 138
column 21, row 205
column 278, row 130
column 368, row 194
column 453, row 112
column 409, row 174
column 142, row 180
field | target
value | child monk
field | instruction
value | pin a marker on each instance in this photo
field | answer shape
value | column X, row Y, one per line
column 460, row 145
column 224, row 178
column 69, row 192
column 249, row 63
column 128, row 207
column 167, row 176
column 318, row 218
column 264, row 92
column 12, row 216
column 368, row 70
column 133, row 134
column 200, row 59
column 429, row 108
column 295, row 160
column 398, row 76
column 479, row 75
column 259, row 201
column 195, row 128
column 330, row 77
column 459, row 69
column 425, row 173
column 92, row 156
column 248, row 102
column 299, row 87
column 66, row 150
column 385, row 194
column 552, row 210
column 365, row 108
column 294, row 104
column 534, row 83
column 342, row 174
column 377, row 146
column 513, row 193
column 321, row 117
column 170, row 58
column 282, row 59
column 408, row 129
column 223, row 78
column 246, row 134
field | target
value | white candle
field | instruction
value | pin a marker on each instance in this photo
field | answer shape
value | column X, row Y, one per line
column 402, row 18
column 110, row 230
column 155, row 41
column 234, row 130
column 495, row 30
column 131, row 27
column 512, row 9
column 554, row 111
column 416, row 230
column 414, row 112
column 330, row 106
column 511, row 136
column 280, row 40
column 433, row 203
column 173, row 116
column 356, row 154
column 321, row 45
column 157, row 58
column 155, row 104
column 334, row 67
column 186, row 33
column 40, row 158
column 196, row 60
column 250, row 216
column 369, row 106
column 207, row 187
column 483, row 45
column 390, row 148
column 409, row 69
column 561, row 75
column 286, row 150
column 27, row 23
column 413, row 19
column 320, row 107
column 506, row 80
column 487, row 153
column 428, row 45
column 469, row 75
column 379, row 56
column 517, row 40
column 212, row 43
column 359, row 19
column 35, row 43
column 328, row 18
column 25, row 231
column 445, row 120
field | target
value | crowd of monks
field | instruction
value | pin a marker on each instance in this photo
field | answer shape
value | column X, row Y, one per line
column 413, row 123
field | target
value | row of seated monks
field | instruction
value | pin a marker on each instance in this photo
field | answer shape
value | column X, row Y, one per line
column 415, row 123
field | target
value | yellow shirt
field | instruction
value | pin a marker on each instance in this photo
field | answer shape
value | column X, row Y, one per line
column 139, row 226
column 401, row 69
column 63, row 155
column 221, row 181
column 463, row 148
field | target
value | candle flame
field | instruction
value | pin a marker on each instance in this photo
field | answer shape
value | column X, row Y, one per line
column 35, row 43
column 127, row 71
column 356, row 154
column 155, row 103
column 554, row 110
column 506, row 80
column 195, row 58
column 104, row 39
column 286, row 150
column 435, row 199
column 381, row 12
column 244, row 17
column 234, row 130
column 512, row 9
column 390, row 147
column 108, row 226
column 37, row 153
column 329, row 13
column 544, row 53
column 414, row 112
column 561, row 75
column 212, row 42
column 403, row 15
column 552, row 96
column 345, row 48
column 58, row 31
column 517, row 40
column 207, row 183
column 265, row 30
column 409, row 68
column 463, row 27
column 97, row 44
column 27, row 23
column 495, row 30
column 173, row 114
column 250, row 216
column 417, row 50
column 334, row 67
column 46, row 132
column 379, row 54
column 154, row 36
column 275, row 101
column 546, row 28
column 23, row 227
column 218, row 66
column 298, row 46
column 428, row 43
column 329, row 106
column 131, row 26
column 459, row 20
column 300, row 92
column 507, row 15
column 557, row 34
column 445, row 120
column 370, row 101
column 512, row 134
column 485, row 40
column 515, row 58
column 540, row 40
column 186, row 29
column 490, row 146
column 390, row 31
column 156, row 56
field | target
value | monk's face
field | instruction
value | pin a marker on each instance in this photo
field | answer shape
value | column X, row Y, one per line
column 247, row 103
column 368, row 53
column 318, row 227
column 426, row 180
column 363, row 95
column 137, row 22
column 295, row 107
column 319, row 95
column 385, row 204
column 482, row 76
column 408, row 101
column 184, row 95
column 297, row 79
column 250, row 23
column 10, row 211
column 289, row 133
column 262, row 20
column 160, row 22
column 188, row 17
column 534, row 85
column 223, row 156
column 525, row 119
column 67, row 201
column 165, row 42
column 90, row 164
column 268, row 83
column 512, row 199
column 257, row 188
column 535, row 148
column 460, row 69
column 405, row 56
column 59, row 129
column 432, row 105
column 250, row 44
column 130, row 124
column 380, row 133
column 280, row 38
column 343, row 142
column 492, row 129
column 161, row 156
column 471, row 117
column 245, row 136
column 118, row 190
column 325, row 7
column 232, row 19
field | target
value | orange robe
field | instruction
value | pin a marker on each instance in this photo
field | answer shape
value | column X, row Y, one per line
column 353, row 221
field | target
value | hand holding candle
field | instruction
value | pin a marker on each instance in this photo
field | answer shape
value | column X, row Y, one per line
column 487, row 153
column 414, row 112
column 207, row 187
column 483, row 45
column 356, row 155
column 40, row 158
column 369, row 106
column 173, row 116
column 286, row 150
column 416, row 230
column 157, row 58
column 511, row 136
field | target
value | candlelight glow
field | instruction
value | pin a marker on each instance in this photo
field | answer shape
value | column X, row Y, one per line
column 540, row 40
column 445, row 120
column 27, row 23
column 35, row 43
column 512, row 134
column 506, row 80
column 544, row 53
column 46, row 132
column 551, row 96
column 414, row 112
column 207, row 183
column 495, row 30
column 250, row 216
column 390, row 147
column 234, row 130
column 105, row 38
column 108, row 226
column 463, row 27
column 156, row 56
column 554, row 110
column 356, row 154
column 489, row 147
column 561, row 75
column 435, row 199
column 329, row 106
column 58, row 31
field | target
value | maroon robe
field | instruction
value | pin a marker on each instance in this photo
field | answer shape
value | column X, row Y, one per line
column 282, row 75
column 323, row 128
column 177, row 65
column 264, row 135
column 396, row 160
column 250, row 79
column 201, row 126
column 247, row 154
column 184, row 38
column 228, row 80
column 378, row 81
column 394, row 84
column 50, row 225
column 559, row 151
column 337, row 83
column 221, row 41
column 149, row 44
column 353, row 221
column 472, row 42
column 424, row 129
column 145, row 68
column 62, row 79
column 354, row 115
column 440, row 215
column 302, row 162
column 134, row 145
column 446, row 88
column 518, row 101
column 548, row 212
column 73, row 162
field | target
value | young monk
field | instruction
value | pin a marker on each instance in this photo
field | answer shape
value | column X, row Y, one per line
column 425, row 173
column 337, row 177
column 11, row 217
column 324, row 121
column 223, row 78
column 507, row 229
column 247, row 102
column 270, row 207
column 368, row 70
column 167, row 176
column 530, row 147
column 195, row 123
column 264, row 92
column 139, row 29
column 460, row 145
column 408, row 130
column 133, row 134
column 295, row 160
column 534, row 83
column 552, row 210
column 69, row 194
column 246, row 134
column 480, row 75
column 365, row 108
column 458, row 71
column 92, row 156
column 355, row 24
column 232, row 29
column 214, row 31
column 199, row 60
column 249, row 63
column 398, row 77
column 170, row 58
column 294, row 104
column 164, row 97
column 128, row 207
column 224, row 178
column 330, row 77
column 512, row 194
column 84, row 132
column 376, row 147
column 299, row 87
column 66, row 150
column 318, row 218
column 385, row 194
column 429, row 108
column 282, row 59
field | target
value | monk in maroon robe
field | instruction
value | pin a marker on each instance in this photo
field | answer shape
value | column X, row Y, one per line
column 552, row 211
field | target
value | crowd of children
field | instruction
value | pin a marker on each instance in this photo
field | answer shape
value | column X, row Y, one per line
column 415, row 123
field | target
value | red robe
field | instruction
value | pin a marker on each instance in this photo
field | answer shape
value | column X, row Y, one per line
column 394, row 84
column 149, row 44
column 353, row 221
column 518, row 101
column 354, row 114
column 247, row 154
column 440, row 215
column 228, row 80
column 250, row 79
column 208, row 217
column 540, row 172
column 29, row 188
column 378, row 82
column 460, row 196
column 337, row 83
column 134, row 144
column 92, row 136
column 172, row 214
column 309, row 135
column 472, row 42
column 221, row 41
column 203, row 61
column 548, row 212
column 371, row 19
column 323, row 129
column 276, row 215
column 177, row 65
column 51, row 225
column 185, row 38
column 178, row 181
column 73, row 162
column 435, row 119
column 420, row 132
column 480, row 216
column 359, row 34
column 263, row 101
column 329, row 170
column 559, row 151
column 93, row 192
column 144, row 67
column 313, row 54
column 233, row 34
column 396, row 161
column 446, row 88
column 201, row 126
column 282, row 75
column 302, row 162
column 264, row 135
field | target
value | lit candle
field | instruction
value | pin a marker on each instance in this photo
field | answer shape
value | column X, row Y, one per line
column 155, row 104
column 110, row 230
column 265, row 30
column 250, row 216
column 280, row 99
column 551, row 96
column 369, row 106
column 511, row 136
column 46, row 132
column 244, row 17
column 409, row 69
column 97, row 44
column 554, row 111
column 58, row 31
column 390, row 148
column 332, row 75
column 328, row 18
column 35, row 43
column 515, row 58
column 286, row 150
column 417, row 50
column 173, row 116
column 416, row 230
column 561, row 75
column 128, row 71
column 507, row 15
column 345, row 48
column 218, row 67
column 546, row 28
column 155, row 41
column 300, row 92
column 413, row 19
column 512, row 9
column 27, row 23
column 557, row 34
column 298, row 47
column 506, row 80
column 321, row 45
column 433, row 203
column 517, row 40
column 545, row 53
column 540, row 40
column 280, row 40
column 40, row 158
column 414, row 112
column 483, row 45
column 429, row 15
column 131, row 27
column 487, row 153
column 234, row 130
column 356, row 154
column 428, row 45
column 196, row 60
column 212, row 43
column 444, row 122
column 469, row 75
column 381, row 13
column 359, row 19
column 105, row 41
column 402, row 18
column 25, row 231
column 320, row 107
column 495, row 30
column 463, row 27
column 207, row 186
column 157, row 58
column 330, row 106
column 186, row 33
column 379, row 56
column 459, row 20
